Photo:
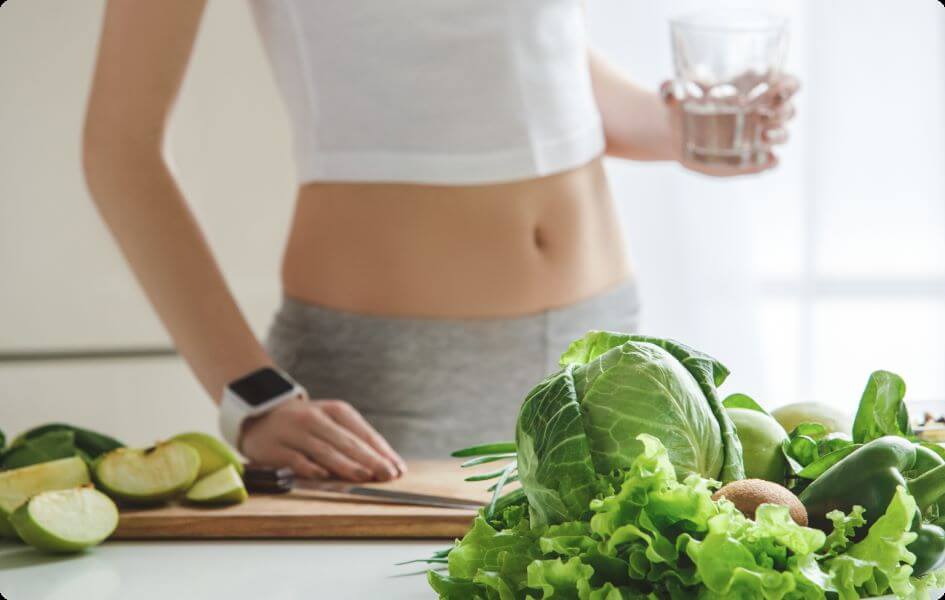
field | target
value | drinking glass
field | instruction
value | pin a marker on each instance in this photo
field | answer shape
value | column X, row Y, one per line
column 725, row 61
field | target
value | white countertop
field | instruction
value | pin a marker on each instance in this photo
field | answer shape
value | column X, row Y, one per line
column 236, row 570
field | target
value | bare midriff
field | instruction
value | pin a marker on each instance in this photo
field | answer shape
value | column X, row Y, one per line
column 455, row 251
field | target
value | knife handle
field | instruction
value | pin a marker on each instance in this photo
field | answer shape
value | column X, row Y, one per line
column 268, row 480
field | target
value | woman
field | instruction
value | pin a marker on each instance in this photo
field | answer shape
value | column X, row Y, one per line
column 453, row 227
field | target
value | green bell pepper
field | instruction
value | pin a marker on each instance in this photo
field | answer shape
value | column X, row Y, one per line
column 869, row 477
column 929, row 547
column 925, row 460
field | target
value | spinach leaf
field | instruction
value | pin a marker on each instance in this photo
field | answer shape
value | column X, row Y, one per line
column 810, row 450
column 92, row 443
column 52, row 445
column 743, row 401
column 882, row 410
column 818, row 467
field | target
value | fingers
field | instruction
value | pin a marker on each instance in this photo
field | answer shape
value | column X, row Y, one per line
column 301, row 465
column 347, row 416
column 299, row 435
column 350, row 445
column 668, row 92
column 324, row 454
column 778, row 135
column 773, row 124
column 775, row 116
column 785, row 88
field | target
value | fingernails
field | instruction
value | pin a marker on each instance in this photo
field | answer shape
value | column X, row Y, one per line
column 385, row 473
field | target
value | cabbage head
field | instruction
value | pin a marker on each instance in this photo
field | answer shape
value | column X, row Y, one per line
column 578, row 427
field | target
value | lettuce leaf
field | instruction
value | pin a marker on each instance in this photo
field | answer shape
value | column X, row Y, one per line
column 505, row 553
column 844, row 528
column 455, row 588
column 881, row 561
column 559, row 580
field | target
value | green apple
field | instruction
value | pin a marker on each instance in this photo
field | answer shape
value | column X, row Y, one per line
column 214, row 454
column 6, row 530
column 17, row 485
column 221, row 487
column 66, row 520
column 761, row 438
column 147, row 475
column 792, row 415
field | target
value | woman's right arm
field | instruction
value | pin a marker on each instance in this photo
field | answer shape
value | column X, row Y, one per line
column 143, row 54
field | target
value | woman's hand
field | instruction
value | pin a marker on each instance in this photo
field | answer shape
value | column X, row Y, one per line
column 776, row 109
column 320, row 439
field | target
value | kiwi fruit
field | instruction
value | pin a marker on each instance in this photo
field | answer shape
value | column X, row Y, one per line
column 748, row 494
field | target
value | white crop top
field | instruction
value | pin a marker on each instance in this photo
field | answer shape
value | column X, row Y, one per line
column 433, row 91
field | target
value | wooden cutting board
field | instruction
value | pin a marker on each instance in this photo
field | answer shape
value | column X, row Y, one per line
column 305, row 514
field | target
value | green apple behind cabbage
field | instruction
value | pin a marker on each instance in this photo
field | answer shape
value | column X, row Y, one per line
column 761, row 438
column 792, row 415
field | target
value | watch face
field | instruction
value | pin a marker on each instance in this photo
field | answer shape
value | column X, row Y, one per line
column 261, row 386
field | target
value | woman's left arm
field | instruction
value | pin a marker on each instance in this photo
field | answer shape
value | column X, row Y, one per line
column 643, row 125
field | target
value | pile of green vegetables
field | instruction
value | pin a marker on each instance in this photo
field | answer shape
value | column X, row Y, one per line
column 620, row 453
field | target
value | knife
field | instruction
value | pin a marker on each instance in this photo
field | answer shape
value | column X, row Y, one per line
column 268, row 480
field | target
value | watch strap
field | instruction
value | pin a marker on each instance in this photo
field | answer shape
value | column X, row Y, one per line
column 234, row 411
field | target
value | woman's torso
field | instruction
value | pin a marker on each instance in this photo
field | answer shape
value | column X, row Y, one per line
column 448, row 156
column 455, row 251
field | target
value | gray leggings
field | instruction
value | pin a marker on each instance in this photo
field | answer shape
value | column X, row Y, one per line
column 431, row 386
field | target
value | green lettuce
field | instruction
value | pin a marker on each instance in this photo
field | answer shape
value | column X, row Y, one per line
column 880, row 562
column 652, row 536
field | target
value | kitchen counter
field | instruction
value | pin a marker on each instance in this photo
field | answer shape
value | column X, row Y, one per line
column 237, row 570
column 231, row 570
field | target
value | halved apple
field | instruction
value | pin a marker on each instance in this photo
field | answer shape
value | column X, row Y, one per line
column 18, row 485
column 66, row 520
column 214, row 453
column 221, row 487
column 147, row 475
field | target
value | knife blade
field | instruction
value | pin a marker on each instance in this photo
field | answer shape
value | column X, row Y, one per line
column 385, row 495
column 279, row 481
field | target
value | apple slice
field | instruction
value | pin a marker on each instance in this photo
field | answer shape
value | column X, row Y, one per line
column 214, row 454
column 66, row 520
column 17, row 485
column 147, row 475
column 221, row 487
column 6, row 530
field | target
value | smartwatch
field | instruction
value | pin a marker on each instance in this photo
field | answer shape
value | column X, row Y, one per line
column 253, row 395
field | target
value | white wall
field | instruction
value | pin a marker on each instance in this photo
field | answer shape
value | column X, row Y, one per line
column 63, row 285
column 729, row 266
column 805, row 280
